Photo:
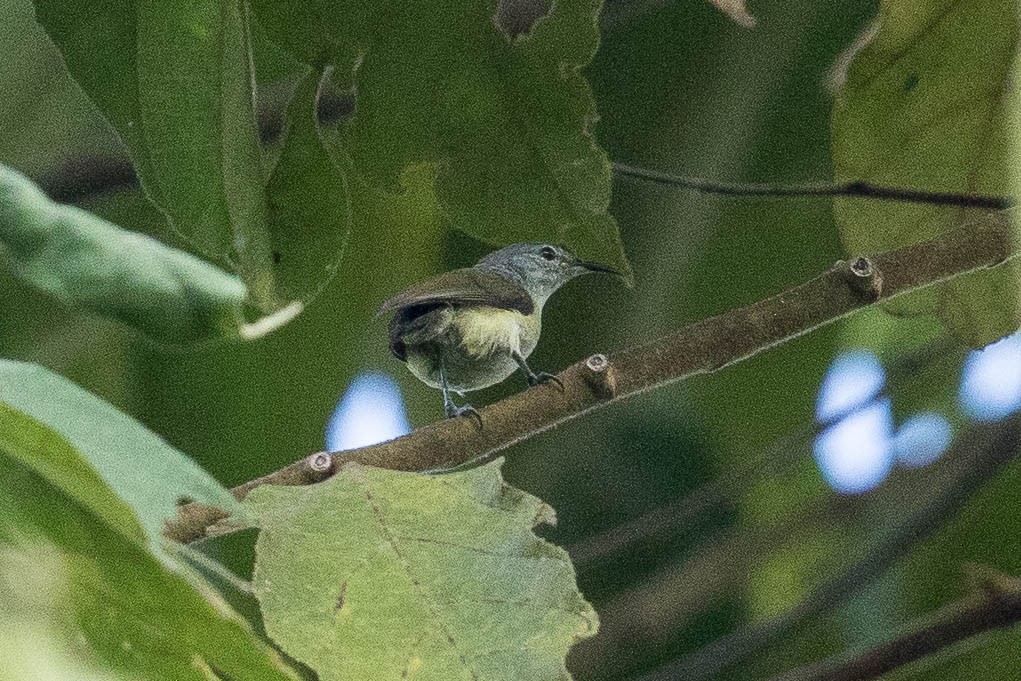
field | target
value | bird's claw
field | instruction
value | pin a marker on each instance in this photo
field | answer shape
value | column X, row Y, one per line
column 467, row 410
column 543, row 377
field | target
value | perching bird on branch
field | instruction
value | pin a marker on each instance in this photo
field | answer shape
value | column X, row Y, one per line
column 472, row 328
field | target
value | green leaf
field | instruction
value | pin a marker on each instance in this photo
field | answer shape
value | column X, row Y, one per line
column 108, row 607
column 177, row 86
column 922, row 105
column 140, row 468
column 36, row 647
column 54, row 459
column 506, row 121
column 382, row 574
column 308, row 198
column 94, row 586
column 89, row 263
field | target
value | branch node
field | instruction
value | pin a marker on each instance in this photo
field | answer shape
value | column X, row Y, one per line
column 865, row 278
column 601, row 376
column 320, row 463
column 739, row 334
column 990, row 582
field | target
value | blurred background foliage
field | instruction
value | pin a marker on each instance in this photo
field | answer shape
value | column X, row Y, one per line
column 694, row 513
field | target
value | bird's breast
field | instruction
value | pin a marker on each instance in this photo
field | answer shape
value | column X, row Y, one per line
column 486, row 331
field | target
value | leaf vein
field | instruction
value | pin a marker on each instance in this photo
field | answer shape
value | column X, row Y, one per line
column 392, row 540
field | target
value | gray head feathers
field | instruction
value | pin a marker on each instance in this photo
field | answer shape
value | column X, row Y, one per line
column 540, row 269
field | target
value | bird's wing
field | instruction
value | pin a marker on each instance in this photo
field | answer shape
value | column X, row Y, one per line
column 422, row 324
column 480, row 288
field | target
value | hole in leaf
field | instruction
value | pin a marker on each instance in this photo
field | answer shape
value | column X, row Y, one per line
column 340, row 597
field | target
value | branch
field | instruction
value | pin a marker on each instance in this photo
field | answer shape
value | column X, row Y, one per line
column 859, row 189
column 699, row 348
column 78, row 179
column 972, row 461
column 997, row 605
column 660, row 523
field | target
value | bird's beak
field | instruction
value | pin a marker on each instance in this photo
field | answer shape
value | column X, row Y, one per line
column 596, row 267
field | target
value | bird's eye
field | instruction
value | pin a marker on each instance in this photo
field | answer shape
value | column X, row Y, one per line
column 549, row 253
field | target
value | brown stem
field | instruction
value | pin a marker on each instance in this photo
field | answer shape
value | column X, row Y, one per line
column 699, row 348
column 78, row 179
column 974, row 459
column 997, row 605
column 665, row 521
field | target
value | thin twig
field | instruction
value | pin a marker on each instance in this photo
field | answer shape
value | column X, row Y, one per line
column 975, row 458
column 665, row 520
column 916, row 502
column 859, row 189
column 997, row 605
column 78, row 179
column 643, row 618
column 699, row 348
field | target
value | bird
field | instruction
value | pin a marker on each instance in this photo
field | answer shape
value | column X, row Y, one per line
column 471, row 328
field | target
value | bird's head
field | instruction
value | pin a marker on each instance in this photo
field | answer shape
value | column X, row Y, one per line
column 539, row 268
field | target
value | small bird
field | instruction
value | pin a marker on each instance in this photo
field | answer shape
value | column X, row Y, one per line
column 471, row 328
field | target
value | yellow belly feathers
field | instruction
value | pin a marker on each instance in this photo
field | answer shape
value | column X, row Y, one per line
column 488, row 330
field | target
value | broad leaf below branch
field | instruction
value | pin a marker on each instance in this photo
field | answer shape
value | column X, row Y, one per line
column 922, row 105
column 71, row 426
column 84, row 491
column 105, row 601
column 379, row 574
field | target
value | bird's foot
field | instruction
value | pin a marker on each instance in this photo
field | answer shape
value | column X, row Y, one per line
column 453, row 411
column 543, row 377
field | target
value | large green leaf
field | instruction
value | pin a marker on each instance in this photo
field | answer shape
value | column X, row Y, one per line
column 507, row 121
column 177, row 85
column 53, row 458
column 922, row 105
column 89, row 263
column 79, row 572
column 36, row 646
column 105, row 605
column 310, row 212
column 140, row 468
column 378, row 574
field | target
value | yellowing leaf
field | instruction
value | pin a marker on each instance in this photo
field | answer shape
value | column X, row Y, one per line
column 922, row 105
column 84, row 492
column 378, row 574
column 107, row 601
